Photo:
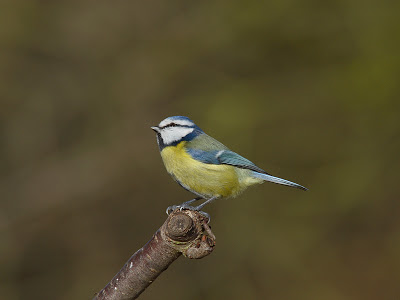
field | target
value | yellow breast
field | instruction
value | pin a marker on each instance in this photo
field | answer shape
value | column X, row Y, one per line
column 205, row 179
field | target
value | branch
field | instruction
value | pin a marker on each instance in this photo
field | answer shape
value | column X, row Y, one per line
column 184, row 232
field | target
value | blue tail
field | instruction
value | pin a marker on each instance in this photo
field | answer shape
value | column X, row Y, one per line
column 278, row 180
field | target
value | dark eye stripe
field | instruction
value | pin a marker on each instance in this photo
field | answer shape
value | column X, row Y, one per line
column 175, row 125
column 169, row 125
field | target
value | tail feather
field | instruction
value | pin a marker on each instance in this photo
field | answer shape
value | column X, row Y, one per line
column 278, row 180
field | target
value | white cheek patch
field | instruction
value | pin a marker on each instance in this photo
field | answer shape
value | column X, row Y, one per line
column 174, row 134
column 168, row 121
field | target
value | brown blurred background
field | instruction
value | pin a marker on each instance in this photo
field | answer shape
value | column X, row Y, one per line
column 308, row 90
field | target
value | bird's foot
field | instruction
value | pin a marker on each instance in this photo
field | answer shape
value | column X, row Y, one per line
column 181, row 207
column 184, row 206
column 205, row 215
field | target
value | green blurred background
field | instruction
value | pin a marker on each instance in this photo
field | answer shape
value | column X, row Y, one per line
column 308, row 90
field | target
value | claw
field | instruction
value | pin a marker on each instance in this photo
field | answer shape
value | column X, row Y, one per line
column 206, row 215
column 170, row 209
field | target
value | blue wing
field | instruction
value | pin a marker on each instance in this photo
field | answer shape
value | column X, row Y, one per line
column 210, row 151
column 228, row 157
column 224, row 157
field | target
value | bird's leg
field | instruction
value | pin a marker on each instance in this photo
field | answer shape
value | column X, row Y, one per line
column 199, row 207
column 184, row 205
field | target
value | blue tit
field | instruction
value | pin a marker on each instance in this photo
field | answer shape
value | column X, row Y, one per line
column 204, row 166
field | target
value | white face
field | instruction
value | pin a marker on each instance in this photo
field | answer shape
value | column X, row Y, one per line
column 171, row 130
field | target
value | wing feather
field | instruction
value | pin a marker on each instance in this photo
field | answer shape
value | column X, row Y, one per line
column 228, row 157
column 210, row 151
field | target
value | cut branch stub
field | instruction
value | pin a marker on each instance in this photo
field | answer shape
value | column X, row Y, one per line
column 188, row 232
column 180, row 227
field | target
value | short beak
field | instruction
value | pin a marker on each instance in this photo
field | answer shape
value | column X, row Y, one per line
column 155, row 128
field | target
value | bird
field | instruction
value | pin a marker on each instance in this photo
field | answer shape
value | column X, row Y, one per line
column 204, row 166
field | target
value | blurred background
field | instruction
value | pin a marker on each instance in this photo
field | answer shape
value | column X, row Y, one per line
column 308, row 90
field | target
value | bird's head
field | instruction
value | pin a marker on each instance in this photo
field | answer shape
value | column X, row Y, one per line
column 173, row 130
